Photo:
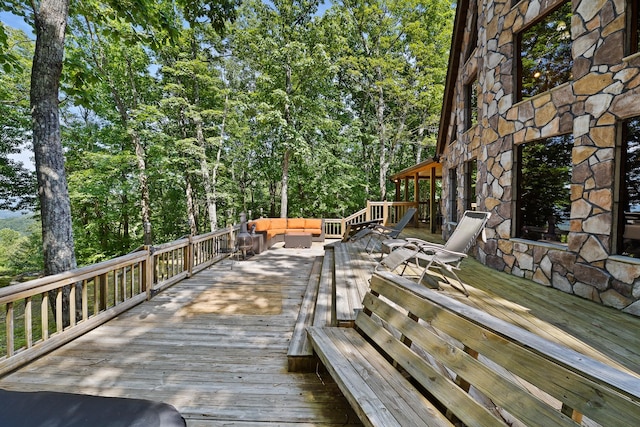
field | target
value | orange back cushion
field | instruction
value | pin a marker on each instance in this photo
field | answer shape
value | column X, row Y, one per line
column 278, row 223
column 295, row 223
column 313, row 223
column 262, row 224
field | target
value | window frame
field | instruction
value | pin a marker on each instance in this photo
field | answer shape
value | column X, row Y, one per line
column 620, row 184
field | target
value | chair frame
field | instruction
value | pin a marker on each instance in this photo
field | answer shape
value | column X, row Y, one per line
column 446, row 258
column 379, row 231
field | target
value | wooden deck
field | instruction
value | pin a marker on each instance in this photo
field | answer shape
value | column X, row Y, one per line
column 214, row 346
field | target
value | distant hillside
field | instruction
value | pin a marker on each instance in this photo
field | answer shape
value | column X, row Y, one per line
column 21, row 223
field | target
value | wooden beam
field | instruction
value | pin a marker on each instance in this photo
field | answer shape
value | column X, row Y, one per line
column 432, row 201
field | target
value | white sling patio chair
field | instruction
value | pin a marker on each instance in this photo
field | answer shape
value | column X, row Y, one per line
column 446, row 258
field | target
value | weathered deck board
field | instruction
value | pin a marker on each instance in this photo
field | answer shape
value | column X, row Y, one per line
column 353, row 268
column 214, row 346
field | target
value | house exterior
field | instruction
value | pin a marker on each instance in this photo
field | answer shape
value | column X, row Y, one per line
column 541, row 127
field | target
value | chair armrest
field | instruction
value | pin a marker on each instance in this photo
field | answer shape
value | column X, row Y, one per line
column 433, row 250
column 423, row 242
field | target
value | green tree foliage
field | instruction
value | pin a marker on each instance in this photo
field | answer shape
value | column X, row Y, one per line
column 393, row 66
column 17, row 186
column 289, row 112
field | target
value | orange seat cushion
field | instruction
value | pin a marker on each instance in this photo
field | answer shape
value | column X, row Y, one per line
column 313, row 230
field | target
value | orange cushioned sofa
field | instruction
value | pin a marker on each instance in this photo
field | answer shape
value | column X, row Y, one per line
column 274, row 229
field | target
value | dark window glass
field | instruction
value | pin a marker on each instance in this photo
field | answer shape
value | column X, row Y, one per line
column 633, row 26
column 630, row 189
column 471, row 104
column 544, row 188
column 453, row 195
column 471, row 177
column 545, row 53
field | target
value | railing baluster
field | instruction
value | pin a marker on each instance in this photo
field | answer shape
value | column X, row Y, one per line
column 59, row 322
column 85, row 301
column 28, row 322
column 44, row 316
column 10, row 329
column 72, row 305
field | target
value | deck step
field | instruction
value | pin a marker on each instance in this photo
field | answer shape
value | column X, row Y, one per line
column 300, row 354
column 325, row 302
column 353, row 269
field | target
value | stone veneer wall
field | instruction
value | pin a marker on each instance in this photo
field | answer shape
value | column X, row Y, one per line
column 605, row 89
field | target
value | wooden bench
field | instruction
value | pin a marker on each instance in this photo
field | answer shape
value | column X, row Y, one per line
column 437, row 362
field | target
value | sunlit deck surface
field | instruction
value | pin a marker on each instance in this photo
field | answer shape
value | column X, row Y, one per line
column 215, row 345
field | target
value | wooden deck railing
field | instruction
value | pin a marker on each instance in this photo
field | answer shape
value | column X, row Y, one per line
column 96, row 293
column 388, row 212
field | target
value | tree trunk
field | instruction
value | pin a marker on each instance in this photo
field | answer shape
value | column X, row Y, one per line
column 206, row 176
column 191, row 208
column 382, row 141
column 57, row 233
column 284, row 200
column 144, row 186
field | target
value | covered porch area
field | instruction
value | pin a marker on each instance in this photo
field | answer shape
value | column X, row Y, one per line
column 422, row 184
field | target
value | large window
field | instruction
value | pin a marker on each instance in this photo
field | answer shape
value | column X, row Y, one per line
column 545, row 53
column 629, row 205
column 544, row 188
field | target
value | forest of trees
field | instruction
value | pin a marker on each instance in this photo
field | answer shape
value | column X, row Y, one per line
column 182, row 114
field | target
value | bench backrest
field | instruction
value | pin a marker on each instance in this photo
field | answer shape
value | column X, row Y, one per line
column 462, row 357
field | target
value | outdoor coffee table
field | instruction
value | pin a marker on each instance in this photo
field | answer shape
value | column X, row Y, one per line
column 297, row 239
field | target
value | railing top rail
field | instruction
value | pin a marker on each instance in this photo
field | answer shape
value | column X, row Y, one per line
column 165, row 247
column 46, row 283
column 217, row 233
column 356, row 215
column 395, row 203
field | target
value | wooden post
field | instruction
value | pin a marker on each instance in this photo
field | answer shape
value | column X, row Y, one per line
column 385, row 212
column 397, row 183
column 432, row 201
column 147, row 272
column 189, row 257
column 416, row 199
column 406, row 189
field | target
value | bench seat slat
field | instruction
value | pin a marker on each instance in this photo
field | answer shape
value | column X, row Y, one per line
column 574, row 379
column 342, row 352
column 440, row 386
column 502, row 391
